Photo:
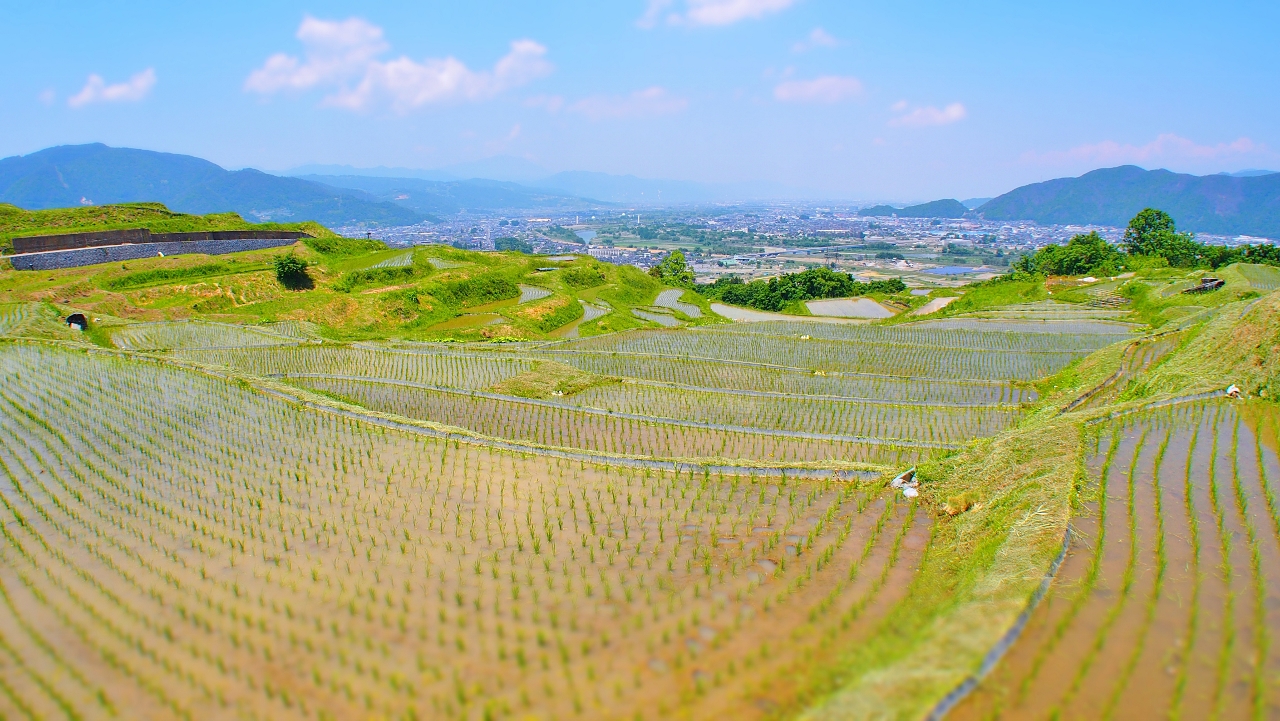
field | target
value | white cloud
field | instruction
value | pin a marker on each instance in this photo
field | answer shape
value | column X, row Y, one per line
column 710, row 12
column 1165, row 148
column 817, row 38
column 96, row 90
column 825, row 89
column 647, row 102
column 343, row 57
column 927, row 116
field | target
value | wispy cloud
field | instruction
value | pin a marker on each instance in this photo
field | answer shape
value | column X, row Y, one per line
column 926, row 116
column 709, row 12
column 343, row 57
column 550, row 103
column 817, row 38
column 96, row 90
column 648, row 102
column 825, row 89
column 1167, row 147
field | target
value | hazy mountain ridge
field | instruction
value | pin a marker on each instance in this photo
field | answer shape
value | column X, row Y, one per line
column 949, row 208
column 1240, row 204
column 452, row 196
column 95, row 174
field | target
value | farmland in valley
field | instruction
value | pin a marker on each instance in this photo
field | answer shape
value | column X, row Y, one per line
column 409, row 491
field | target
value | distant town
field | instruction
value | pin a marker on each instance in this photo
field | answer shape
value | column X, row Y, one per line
column 761, row 241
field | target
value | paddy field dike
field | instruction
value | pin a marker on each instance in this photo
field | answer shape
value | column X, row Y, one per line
column 369, row 499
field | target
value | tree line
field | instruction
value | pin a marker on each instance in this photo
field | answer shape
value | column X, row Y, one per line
column 1151, row 240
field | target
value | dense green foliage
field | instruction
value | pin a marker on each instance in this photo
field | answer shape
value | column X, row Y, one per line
column 1084, row 254
column 291, row 271
column 512, row 244
column 1152, row 239
column 583, row 276
column 673, row 270
column 478, row 291
column 811, row 284
column 378, row 275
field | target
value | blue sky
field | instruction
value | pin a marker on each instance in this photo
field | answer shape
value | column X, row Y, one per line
column 903, row 100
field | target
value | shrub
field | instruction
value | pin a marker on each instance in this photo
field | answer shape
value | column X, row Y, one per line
column 811, row 284
column 291, row 271
column 583, row 276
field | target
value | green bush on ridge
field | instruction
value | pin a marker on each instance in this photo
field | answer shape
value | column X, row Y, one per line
column 1151, row 240
column 812, row 284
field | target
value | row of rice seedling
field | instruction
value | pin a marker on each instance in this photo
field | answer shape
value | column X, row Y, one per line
column 701, row 374
column 13, row 315
column 300, row 329
column 176, row 546
column 173, row 335
column 1095, row 330
column 530, row 293
column 1262, row 277
column 1167, row 610
column 671, row 299
column 930, row 333
column 443, row 368
column 926, row 361
column 403, row 260
column 555, row 424
column 799, row 413
column 1049, row 310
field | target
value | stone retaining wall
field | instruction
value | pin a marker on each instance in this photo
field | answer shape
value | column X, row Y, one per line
column 111, row 254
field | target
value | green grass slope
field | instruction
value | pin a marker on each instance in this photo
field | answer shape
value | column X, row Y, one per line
column 16, row 222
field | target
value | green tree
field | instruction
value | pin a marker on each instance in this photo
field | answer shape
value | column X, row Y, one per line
column 1089, row 254
column 1153, row 233
column 673, row 270
column 291, row 271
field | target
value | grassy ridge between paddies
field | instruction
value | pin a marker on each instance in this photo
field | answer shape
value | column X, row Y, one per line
column 357, row 289
column 1021, row 488
column 16, row 222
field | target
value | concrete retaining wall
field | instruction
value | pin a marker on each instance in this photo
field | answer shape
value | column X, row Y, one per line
column 111, row 254
column 99, row 238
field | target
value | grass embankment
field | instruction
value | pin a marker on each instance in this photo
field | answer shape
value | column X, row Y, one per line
column 359, row 289
column 16, row 222
column 983, row 564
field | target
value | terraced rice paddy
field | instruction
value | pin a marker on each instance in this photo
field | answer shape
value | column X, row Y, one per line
column 402, row 260
column 194, row 334
column 671, row 299
column 180, row 546
column 1168, row 604
column 1262, row 277
column 439, row 368
column 554, row 424
column 687, row 529
column 967, row 356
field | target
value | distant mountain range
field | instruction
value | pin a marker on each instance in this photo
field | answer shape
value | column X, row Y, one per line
column 71, row 175
column 603, row 187
column 1245, row 203
column 936, row 209
column 429, row 197
column 1242, row 203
